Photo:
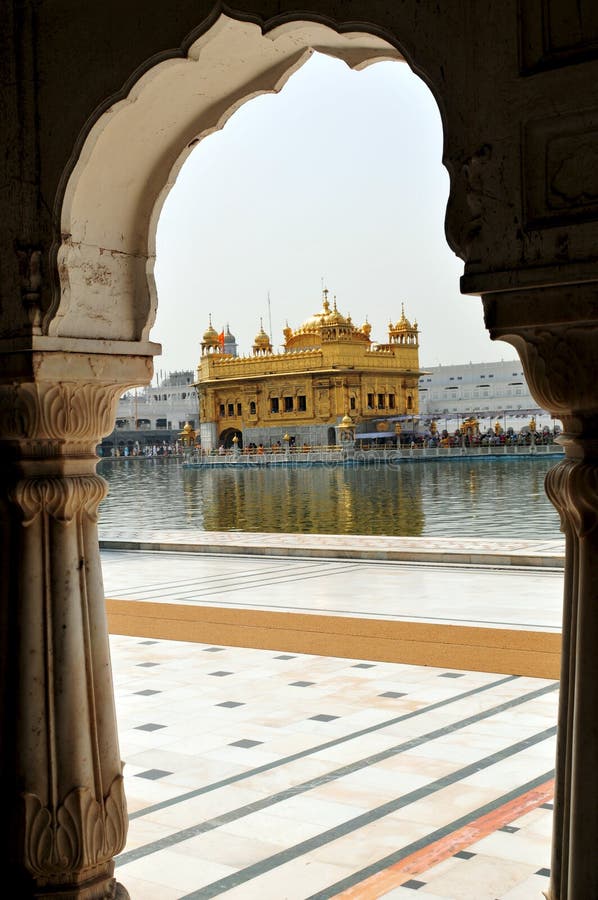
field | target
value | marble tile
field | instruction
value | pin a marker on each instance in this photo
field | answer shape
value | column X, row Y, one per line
column 486, row 879
column 167, row 814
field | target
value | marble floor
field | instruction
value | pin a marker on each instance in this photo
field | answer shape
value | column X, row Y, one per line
column 275, row 776
column 511, row 596
column 266, row 775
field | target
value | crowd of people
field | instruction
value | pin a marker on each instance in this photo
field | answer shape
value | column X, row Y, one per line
column 150, row 450
column 461, row 437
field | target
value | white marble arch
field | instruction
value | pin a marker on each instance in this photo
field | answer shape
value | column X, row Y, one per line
column 133, row 153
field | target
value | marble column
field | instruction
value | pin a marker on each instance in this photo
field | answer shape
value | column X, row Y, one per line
column 555, row 331
column 61, row 778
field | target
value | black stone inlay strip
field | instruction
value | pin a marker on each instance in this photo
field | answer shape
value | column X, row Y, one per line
column 349, row 769
column 399, row 855
column 373, row 815
column 334, row 742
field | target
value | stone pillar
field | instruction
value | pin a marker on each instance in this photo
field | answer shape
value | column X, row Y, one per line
column 555, row 331
column 61, row 779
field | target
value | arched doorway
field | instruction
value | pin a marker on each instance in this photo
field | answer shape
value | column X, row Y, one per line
column 109, row 212
column 231, row 438
column 152, row 131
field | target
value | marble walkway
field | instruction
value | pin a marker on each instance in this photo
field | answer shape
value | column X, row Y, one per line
column 266, row 774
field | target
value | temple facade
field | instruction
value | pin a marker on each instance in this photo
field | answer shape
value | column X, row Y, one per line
column 328, row 368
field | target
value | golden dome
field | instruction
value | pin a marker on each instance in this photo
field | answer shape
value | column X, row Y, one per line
column 326, row 316
column 346, row 421
column 318, row 319
column 327, row 325
column 262, row 341
column 403, row 324
column 210, row 335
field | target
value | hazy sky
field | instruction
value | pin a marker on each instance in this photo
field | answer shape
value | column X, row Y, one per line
column 336, row 180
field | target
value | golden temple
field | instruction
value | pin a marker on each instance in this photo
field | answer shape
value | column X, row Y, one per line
column 328, row 369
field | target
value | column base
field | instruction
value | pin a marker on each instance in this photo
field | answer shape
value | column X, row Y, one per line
column 99, row 889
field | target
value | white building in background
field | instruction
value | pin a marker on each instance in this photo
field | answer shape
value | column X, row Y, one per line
column 492, row 390
column 163, row 407
column 156, row 414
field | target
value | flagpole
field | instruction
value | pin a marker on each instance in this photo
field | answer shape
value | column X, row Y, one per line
column 270, row 318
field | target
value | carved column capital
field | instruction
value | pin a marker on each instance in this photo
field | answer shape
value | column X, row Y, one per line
column 62, row 499
column 572, row 487
column 55, row 407
column 555, row 332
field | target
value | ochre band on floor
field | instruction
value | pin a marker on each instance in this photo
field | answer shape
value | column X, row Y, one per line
column 474, row 649
column 422, row 860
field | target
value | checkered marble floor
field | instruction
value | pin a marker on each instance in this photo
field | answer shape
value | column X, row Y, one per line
column 259, row 775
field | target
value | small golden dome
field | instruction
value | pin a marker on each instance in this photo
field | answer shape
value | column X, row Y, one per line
column 346, row 421
column 334, row 317
column 403, row 324
column 210, row 335
column 262, row 341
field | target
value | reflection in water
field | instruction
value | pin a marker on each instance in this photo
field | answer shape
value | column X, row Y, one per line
column 309, row 500
column 486, row 498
